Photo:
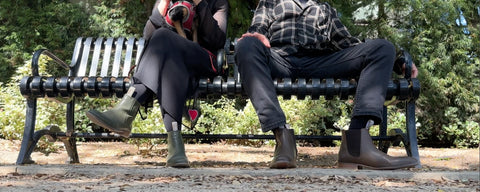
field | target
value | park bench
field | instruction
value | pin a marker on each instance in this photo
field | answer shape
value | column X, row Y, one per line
column 100, row 68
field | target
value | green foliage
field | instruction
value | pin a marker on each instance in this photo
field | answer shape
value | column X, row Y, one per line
column 27, row 26
column 449, row 72
column 447, row 58
column 12, row 106
column 240, row 16
column 12, row 112
column 306, row 117
column 115, row 18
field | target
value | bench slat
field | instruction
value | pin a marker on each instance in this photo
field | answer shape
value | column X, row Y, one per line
column 76, row 54
column 96, row 57
column 140, row 46
column 118, row 56
column 85, row 56
column 128, row 57
column 106, row 57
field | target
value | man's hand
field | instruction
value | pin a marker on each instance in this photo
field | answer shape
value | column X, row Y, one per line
column 414, row 70
column 259, row 36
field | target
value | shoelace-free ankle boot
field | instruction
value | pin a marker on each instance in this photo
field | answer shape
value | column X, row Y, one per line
column 285, row 154
column 176, row 150
column 357, row 151
column 118, row 119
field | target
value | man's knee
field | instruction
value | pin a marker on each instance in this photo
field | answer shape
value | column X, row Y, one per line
column 249, row 49
column 247, row 46
column 246, row 43
column 385, row 47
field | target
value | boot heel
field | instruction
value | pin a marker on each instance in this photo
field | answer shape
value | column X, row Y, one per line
column 348, row 165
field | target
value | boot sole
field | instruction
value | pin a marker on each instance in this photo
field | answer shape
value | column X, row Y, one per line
column 361, row 166
column 179, row 165
column 283, row 165
column 99, row 122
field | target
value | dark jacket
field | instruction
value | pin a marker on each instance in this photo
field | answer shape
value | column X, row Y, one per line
column 212, row 23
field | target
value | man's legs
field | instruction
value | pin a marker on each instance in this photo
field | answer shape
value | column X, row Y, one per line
column 372, row 63
column 256, row 67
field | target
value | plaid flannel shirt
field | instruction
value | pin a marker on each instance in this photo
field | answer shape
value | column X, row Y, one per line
column 294, row 28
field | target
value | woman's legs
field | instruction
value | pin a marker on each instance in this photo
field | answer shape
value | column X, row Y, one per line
column 118, row 119
column 142, row 94
column 169, row 66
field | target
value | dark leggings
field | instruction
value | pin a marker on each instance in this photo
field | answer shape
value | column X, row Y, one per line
column 168, row 69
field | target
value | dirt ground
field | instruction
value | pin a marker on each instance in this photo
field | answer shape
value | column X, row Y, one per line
column 118, row 166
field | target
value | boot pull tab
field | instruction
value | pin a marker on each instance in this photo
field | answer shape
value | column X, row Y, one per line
column 369, row 124
column 174, row 126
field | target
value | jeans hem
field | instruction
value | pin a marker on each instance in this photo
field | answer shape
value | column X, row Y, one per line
column 271, row 126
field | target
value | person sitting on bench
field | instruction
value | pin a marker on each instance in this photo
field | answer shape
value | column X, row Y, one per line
column 305, row 39
column 168, row 68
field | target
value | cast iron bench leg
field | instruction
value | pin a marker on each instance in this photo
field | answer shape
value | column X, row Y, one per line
column 28, row 144
column 31, row 137
column 71, row 142
column 412, row 146
column 71, row 148
column 383, row 145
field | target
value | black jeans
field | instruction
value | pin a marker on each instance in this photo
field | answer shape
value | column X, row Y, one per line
column 371, row 62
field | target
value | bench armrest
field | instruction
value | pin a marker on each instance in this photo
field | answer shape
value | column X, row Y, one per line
column 404, row 58
column 220, row 61
column 222, row 64
column 36, row 57
column 408, row 64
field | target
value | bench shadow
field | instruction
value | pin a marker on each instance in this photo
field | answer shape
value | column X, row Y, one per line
column 303, row 161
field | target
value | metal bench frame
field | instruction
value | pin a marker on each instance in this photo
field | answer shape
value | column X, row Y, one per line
column 108, row 62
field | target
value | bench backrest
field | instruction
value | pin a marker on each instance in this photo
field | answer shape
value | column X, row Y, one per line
column 105, row 57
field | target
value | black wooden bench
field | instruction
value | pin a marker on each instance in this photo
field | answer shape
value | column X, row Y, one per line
column 100, row 68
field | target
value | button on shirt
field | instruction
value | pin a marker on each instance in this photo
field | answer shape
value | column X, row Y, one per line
column 301, row 27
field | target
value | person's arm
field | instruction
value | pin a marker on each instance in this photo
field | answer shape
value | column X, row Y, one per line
column 260, row 22
column 212, row 28
column 340, row 36
column 156, row 19
column 262, row 19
